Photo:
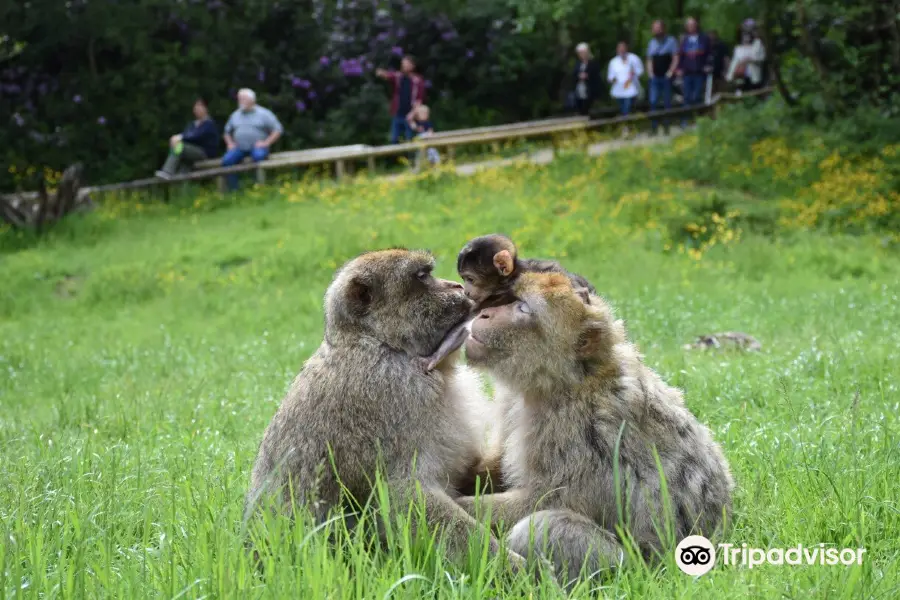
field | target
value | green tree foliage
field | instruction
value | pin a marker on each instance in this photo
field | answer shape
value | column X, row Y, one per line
column 831, row 57
column 107, row 82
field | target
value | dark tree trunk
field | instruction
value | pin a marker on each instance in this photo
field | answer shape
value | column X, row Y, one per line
column 771, row 49
column 811, row 49
column 37, row 211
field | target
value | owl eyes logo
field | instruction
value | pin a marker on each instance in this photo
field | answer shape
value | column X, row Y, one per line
column 695, row 555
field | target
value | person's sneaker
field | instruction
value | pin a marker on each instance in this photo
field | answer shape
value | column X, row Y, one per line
column 163, row 175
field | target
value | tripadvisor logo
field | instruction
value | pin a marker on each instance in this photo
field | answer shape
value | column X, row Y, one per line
column 696, row 555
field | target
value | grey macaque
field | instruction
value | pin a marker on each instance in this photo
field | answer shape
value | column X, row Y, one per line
column 588, row 428
column 363, row 402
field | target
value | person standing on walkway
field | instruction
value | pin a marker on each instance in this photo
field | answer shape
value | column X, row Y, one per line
column 408, row 93
column 587, row 79
column 749, row 59
column 198, row 141
column 662, row 61
column 694, row 62
column 251, row 130
column 623, row 75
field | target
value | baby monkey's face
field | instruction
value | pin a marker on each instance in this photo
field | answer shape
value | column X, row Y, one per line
column 487, row 290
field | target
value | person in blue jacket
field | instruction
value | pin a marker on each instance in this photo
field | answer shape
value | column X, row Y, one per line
column 199, row 141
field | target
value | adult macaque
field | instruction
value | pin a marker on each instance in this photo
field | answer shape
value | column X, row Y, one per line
column 588, row 431
column 363, row 402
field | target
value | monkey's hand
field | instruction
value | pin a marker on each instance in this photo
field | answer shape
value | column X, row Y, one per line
column 517, row 562
column 542, row 568
column 512, row 502
column 452, row 342
column 507, row 507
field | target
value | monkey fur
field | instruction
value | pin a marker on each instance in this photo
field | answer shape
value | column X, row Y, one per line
column 363, row 402
column 490, row 266
column 579, row 401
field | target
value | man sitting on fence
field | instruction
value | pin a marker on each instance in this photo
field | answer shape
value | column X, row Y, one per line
column 250, row 131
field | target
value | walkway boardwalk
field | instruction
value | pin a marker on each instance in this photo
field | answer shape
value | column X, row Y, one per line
column 545, row 155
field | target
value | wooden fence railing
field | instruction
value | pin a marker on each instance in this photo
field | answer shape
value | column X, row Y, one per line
column 344, row 156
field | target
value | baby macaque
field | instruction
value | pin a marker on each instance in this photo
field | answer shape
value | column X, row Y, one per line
column 489, row 266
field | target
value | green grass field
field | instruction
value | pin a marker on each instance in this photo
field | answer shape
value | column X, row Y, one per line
column 144, row 348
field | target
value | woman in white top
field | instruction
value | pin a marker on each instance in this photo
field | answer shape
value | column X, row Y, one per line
column 623, row 74
column 747, row 61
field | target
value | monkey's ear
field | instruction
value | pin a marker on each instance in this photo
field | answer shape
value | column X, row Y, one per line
column 504, row 263
column 359, row 295
column 594, row 339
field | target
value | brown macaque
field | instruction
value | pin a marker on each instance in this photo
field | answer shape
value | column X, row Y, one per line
column 490, row 266
column 587, row 433
column 362, row 404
